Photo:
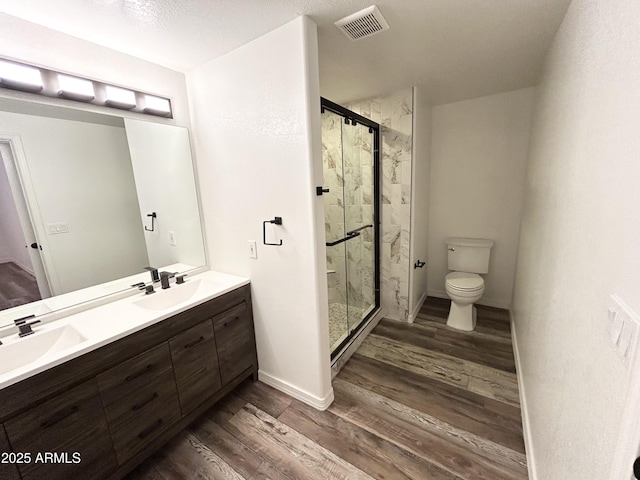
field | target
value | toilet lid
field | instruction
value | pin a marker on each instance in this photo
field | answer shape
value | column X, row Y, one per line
column 465, row 281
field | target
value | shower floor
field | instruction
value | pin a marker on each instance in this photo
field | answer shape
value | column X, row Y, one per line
column 338, row 325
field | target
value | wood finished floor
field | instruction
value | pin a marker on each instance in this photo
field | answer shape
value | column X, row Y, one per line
column 416, row 401
column 17, row 287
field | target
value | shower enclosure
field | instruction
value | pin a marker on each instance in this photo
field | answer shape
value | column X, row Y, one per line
column 350, row 146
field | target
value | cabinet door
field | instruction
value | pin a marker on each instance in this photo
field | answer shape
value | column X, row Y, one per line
column 195, row 364
column 140, row 400
column 235, row 342
column 66, row 436
column 8, row 467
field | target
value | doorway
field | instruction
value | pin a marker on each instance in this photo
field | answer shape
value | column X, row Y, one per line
column 350, row 158
column 23, row 278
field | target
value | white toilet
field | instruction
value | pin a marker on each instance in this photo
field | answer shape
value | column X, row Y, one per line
column 467, row 257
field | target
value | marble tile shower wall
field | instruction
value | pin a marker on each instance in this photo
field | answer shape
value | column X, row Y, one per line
column 394, row 113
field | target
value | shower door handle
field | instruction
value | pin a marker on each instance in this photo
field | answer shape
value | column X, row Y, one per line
column 358, row 229
column 348, row 237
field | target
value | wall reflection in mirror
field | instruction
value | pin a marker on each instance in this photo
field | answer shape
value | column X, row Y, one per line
column 77, row 194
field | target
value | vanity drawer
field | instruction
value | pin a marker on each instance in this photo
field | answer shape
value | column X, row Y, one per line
column 140, row 400
column 72, row 426
column 8, row 470
column 135, row 373
column 195, row 364
column 235, row 341
column 139, row 418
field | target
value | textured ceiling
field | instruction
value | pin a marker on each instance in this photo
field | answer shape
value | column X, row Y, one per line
column 456, row 49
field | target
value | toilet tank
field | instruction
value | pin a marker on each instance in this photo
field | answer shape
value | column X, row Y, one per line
column 469, row 254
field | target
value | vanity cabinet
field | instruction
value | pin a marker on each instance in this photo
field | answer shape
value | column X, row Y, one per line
column 195, row 365
column 8, row 467
column 140, row 400
column 234, row 339
column 72, row 426
column 116, row 405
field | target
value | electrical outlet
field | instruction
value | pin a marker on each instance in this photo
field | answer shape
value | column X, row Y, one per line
column 172, row 238
column 253, row 250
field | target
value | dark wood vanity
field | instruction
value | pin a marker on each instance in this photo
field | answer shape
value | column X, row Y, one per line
column 99, row 415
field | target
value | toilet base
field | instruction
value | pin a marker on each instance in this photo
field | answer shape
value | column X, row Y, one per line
column 462, row 317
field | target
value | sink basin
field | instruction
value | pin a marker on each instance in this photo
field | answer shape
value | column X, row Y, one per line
column 37, row 346
column 170, row 297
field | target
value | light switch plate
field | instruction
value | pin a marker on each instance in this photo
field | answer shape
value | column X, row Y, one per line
column 623, row 326
column 615, row 326
column 253, row 249
column 56, row 228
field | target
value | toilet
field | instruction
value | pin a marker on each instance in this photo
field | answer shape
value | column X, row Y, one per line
column 467, row 257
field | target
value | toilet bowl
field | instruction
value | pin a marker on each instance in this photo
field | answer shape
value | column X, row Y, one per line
column 466, row 257
column 464, row 289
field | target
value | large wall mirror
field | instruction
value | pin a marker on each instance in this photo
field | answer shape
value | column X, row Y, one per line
column 87, row 202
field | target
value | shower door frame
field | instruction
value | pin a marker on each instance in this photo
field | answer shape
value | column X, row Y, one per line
column 375, row 127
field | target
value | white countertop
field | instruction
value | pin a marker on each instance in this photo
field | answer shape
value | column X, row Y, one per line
column 64, row 301
column 99, row 326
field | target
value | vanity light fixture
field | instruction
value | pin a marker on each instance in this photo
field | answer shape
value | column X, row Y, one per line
column 156, row 105
column 20, row 77
column 75, row 88
column 50, row 83
column 120, row 98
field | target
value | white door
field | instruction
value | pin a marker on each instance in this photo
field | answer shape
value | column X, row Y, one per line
column 7, row 153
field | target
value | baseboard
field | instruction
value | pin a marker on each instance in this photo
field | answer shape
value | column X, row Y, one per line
column 25, row 268
column 305, row 397
column 18, row 264
column 524, row 411
column 414, row 314
column 487, row 302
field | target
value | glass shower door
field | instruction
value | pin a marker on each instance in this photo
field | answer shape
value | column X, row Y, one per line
column 359, row 222
column 349, row 166
column 334, row 208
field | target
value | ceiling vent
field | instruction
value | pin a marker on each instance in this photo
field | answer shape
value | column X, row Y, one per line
column 363, row 24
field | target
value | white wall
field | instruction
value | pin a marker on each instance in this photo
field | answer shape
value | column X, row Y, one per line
column 165, row 184
column 421, row 165
column 256, row 117
column 478, row 166
column 80, row 174
column 12, row 241
column 579, row 241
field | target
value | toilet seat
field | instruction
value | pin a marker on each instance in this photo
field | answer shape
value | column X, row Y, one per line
column 464, row 282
